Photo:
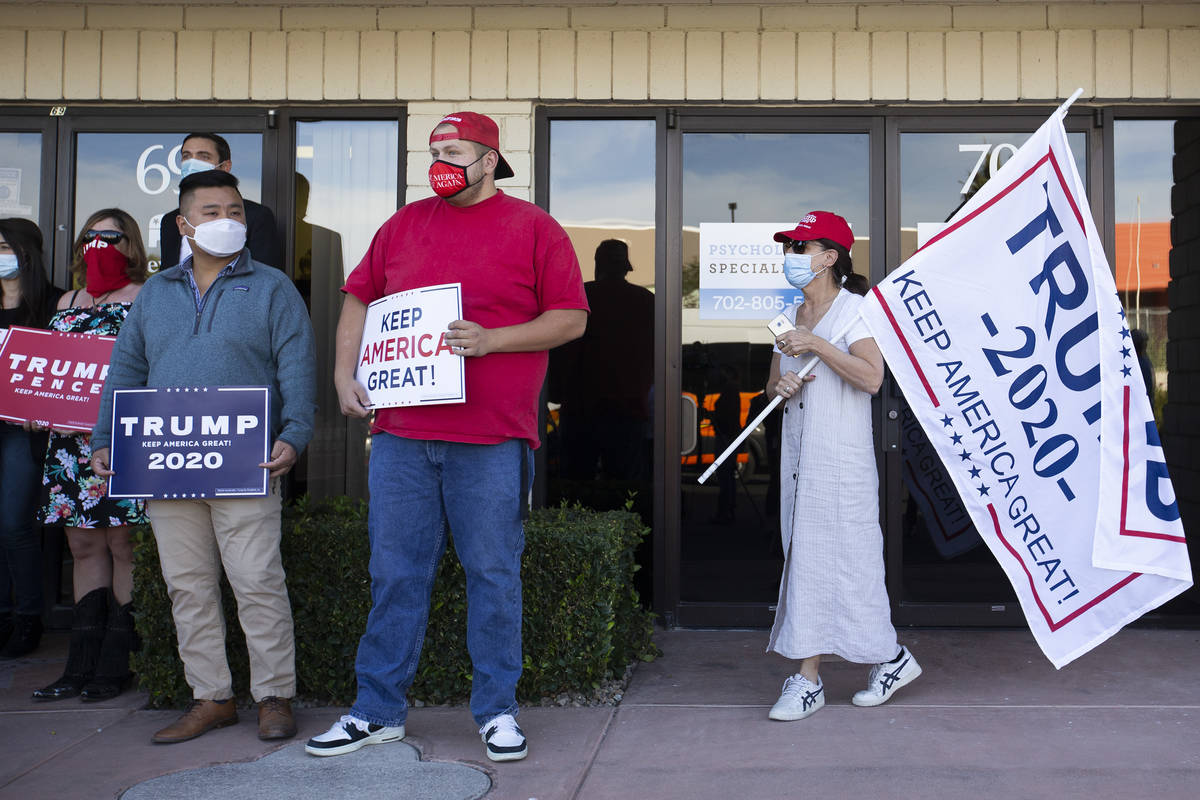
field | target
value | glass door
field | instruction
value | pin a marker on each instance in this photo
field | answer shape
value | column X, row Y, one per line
column 740, row 179
column 598, row 433
column 27, row 156
column 939, row 570
column 132, row 163
column 345, row 178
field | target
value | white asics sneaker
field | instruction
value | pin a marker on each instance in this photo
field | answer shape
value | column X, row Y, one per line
column 505, row 741
column 350, row 733
column 886, row 678
column 800, row 698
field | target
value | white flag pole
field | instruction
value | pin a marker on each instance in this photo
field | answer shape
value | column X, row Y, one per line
column 1074, row 96
column 766, row 412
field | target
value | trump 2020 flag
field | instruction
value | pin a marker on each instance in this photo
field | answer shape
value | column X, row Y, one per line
column 1008, row 339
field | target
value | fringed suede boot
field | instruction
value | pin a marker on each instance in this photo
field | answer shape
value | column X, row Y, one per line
column 87, row 634
column 112, row 671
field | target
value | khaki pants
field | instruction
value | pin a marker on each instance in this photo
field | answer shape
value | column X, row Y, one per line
column 195, row 538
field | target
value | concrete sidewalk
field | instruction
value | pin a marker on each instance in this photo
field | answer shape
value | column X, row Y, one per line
column 989, row 718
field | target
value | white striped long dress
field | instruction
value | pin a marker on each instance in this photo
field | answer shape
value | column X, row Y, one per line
column 832, row 597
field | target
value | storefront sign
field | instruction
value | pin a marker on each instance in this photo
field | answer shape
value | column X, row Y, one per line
column 741, row 271
column 190, row 442
column 53, row 378
column 404, row 359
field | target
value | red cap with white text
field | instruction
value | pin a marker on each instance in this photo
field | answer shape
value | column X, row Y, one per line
column 474, row 128
column 819, row 225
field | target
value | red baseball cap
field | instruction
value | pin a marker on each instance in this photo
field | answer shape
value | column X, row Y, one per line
column 474, row 128
column 819, row 225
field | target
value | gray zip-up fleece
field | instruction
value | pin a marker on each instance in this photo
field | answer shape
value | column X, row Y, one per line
column 252, row 329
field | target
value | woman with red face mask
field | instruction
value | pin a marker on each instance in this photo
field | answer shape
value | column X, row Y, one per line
column 109, row 260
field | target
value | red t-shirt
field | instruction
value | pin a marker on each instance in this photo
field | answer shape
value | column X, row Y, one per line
column 514, row 262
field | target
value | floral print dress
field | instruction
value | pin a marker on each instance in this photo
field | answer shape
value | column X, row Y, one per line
column 72, row 495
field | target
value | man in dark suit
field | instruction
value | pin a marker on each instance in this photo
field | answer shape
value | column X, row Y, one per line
column 203, row 151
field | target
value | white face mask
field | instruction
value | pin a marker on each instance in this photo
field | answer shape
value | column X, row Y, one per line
column 194, row 165
column 9, row 268
column 219, row 237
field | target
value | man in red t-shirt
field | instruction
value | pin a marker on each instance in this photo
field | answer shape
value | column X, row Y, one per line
column 468, row 465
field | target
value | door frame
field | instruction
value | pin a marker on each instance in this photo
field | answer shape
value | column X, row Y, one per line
column 668, row 378
column 137, row 119
column 43, row 120
column 283, row 123
column 1080, row 119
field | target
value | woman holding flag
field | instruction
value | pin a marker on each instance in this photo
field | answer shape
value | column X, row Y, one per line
column 832, row 597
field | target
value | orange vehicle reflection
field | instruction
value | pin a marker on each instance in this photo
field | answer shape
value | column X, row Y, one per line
column 752, row 453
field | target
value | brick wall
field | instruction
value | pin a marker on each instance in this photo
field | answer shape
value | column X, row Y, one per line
column 502, row 56
column 1181, row 425
column 419, row 50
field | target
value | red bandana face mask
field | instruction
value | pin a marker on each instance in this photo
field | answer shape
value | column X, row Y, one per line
column 105, row 267
column 448, row 179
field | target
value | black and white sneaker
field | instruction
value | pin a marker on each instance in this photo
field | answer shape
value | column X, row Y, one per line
column 350, row 733
column 886, row 678
column 505, row 741
column 800, row 698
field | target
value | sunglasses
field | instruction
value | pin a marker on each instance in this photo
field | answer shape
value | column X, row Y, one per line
column 794, row 245
column 108, row 237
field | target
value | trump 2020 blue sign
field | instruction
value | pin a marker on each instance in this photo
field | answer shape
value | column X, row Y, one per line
column 195, row 442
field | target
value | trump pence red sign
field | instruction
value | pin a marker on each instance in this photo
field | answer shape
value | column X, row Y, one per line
column 53, row 378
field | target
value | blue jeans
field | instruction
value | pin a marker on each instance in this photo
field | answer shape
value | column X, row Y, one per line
column 20, row 550
column 417, row 487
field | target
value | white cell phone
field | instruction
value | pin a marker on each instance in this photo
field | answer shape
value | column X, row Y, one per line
column 781, row 325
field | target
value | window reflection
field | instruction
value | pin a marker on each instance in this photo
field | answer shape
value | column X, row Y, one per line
column 774, row 176
column 941, row 171
column 139, row 172
column 603, row 172
column 731, row 547
column 1143, row 151
column 599, row 431
column 344, row 189
column 20, row 174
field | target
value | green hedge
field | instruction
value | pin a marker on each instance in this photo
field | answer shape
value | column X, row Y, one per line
column 583, row 621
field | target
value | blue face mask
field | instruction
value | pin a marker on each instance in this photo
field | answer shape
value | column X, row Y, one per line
column 9, row 268
column 797, row 268
column 194, row 165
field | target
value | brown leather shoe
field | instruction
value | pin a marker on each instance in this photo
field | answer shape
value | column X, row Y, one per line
column 200, row 718
column 275, row 720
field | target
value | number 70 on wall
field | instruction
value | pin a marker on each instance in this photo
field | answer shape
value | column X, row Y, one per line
column 988, row 153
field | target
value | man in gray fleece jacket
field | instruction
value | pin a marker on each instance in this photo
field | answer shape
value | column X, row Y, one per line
column 222, row 319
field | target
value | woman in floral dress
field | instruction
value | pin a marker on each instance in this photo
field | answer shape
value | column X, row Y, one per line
column 109, row 259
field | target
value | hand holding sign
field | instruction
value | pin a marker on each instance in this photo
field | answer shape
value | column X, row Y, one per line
column 100, row 463
column 283, row 457
column 352, row 396
column 468, row 338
